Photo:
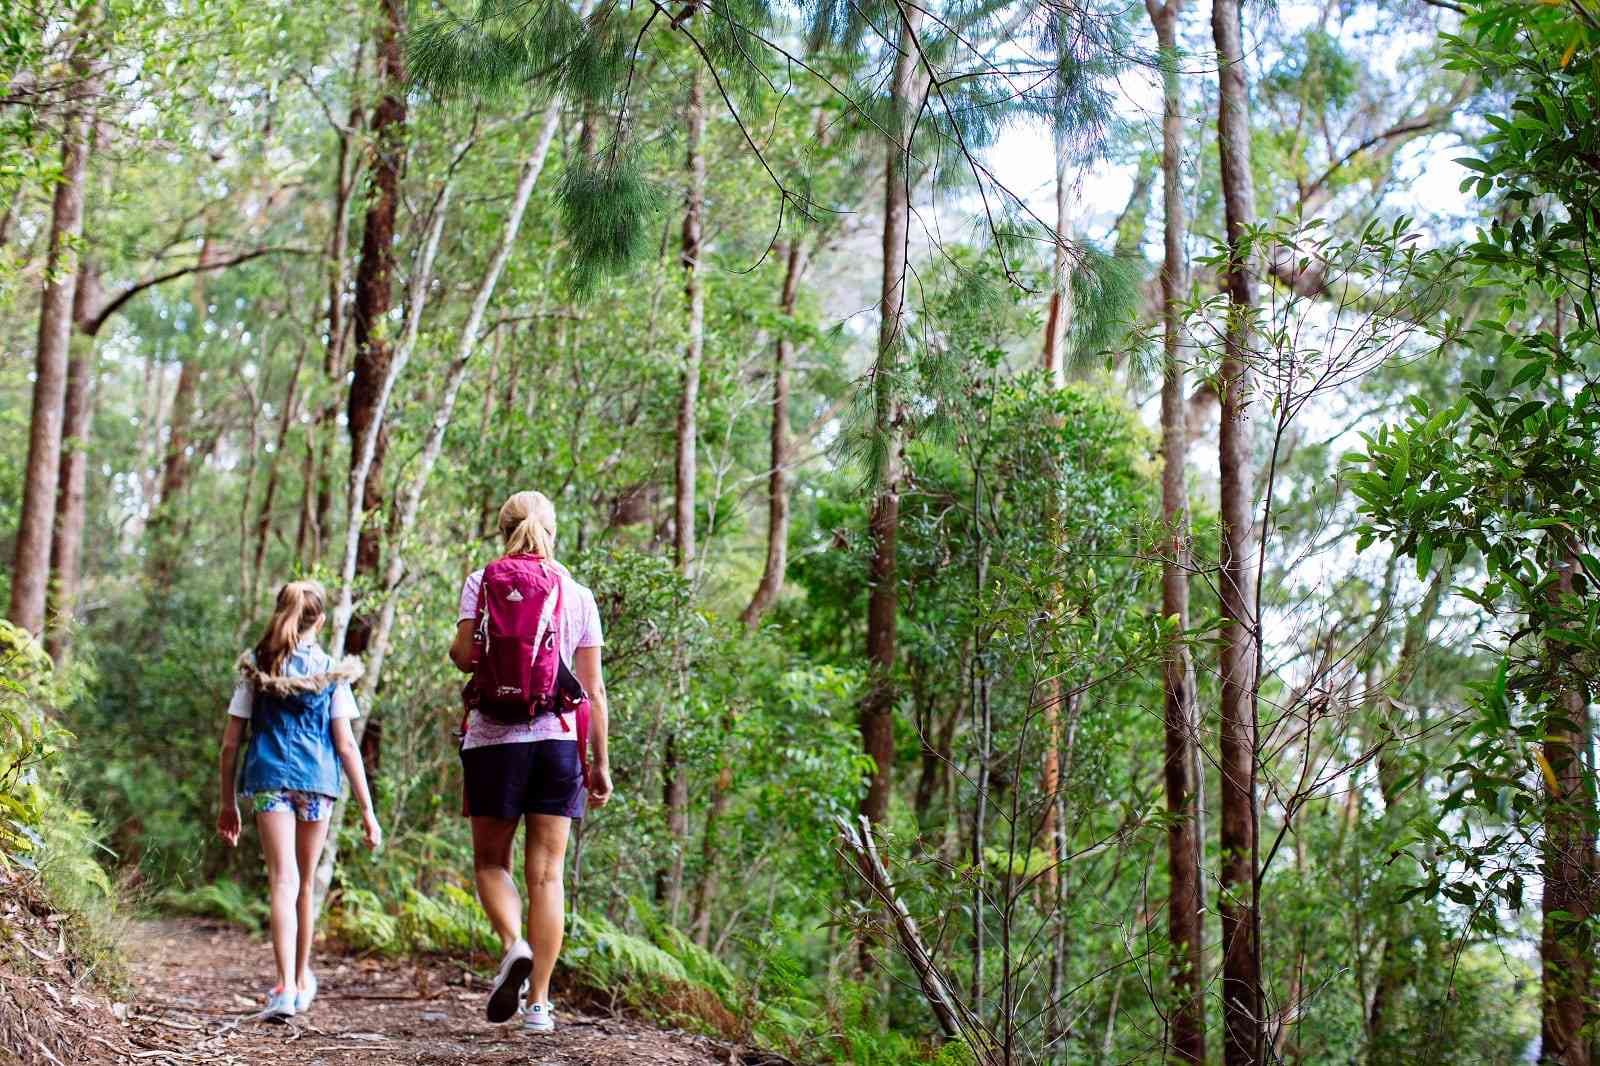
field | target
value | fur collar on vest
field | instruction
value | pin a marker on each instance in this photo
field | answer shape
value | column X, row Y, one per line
column 349, row 671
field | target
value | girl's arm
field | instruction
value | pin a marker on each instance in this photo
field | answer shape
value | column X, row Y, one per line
column 461, row 651
column 586, row 664
column 228, row 799
column 344, row 742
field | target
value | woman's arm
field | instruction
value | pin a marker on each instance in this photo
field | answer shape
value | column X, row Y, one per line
column 344, row 742
column 461, row 650
column 586, row 664
column 227, row 798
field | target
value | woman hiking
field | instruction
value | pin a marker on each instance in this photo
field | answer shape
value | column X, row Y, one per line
column 530, row 636
column 298, row 704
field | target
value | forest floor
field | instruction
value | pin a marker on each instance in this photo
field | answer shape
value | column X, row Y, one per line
column 194, row 986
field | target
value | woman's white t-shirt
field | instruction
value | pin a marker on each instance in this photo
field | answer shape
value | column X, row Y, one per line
column 577, row 627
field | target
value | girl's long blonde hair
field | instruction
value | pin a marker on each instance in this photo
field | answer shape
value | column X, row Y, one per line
column 528, row 525
column 299, row 608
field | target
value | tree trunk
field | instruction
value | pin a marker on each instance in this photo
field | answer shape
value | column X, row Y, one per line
column 66, row 546
column 675, row 798
column 1059, row 319
column 1243, row 1030
column 1566, row 942
column 269, row 494
column 1057, row 323
column 374, row 285
column 1184, row 928
column 317, row 491
column 177, row 467
column 772, row 574
column 710, row 879
column 30, row 570
column 883, row 599
column 694, row 300
column 675, row 787
column 305, row 536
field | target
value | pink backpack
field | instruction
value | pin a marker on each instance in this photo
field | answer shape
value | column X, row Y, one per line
column 517, row 669
column 519, row 654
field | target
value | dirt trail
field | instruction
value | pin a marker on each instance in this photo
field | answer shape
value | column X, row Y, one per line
column 195, row 982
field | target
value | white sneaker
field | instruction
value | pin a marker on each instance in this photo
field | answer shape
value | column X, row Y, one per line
column 514, row 970
column 539, row 1018
column 307, row 993
column 280, row 1006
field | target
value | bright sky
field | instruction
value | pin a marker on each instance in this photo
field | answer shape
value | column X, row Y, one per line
column 1429, row 179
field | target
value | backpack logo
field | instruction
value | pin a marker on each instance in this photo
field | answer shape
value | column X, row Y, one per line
column 514, row 596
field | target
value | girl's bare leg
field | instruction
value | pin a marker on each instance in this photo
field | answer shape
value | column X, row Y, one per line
column 308, row 840
column 547, row 902
column 283, row 887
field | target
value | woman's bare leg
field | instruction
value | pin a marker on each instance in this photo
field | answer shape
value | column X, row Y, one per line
column 308, row 840
column 547, row 902
column 283, row 886
column 492, row 839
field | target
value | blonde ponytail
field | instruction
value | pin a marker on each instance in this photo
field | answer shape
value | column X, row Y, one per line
column 298, row 610
column 528, row 525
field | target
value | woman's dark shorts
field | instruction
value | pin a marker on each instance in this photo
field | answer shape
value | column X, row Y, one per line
column 531, row 777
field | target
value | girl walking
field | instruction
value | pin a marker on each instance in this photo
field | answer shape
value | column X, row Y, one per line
column 521, row 754
column 298, row 704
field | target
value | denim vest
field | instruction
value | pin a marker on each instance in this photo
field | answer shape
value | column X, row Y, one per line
column 291, row 725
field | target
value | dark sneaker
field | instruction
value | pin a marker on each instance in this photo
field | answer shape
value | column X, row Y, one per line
column 507, row 992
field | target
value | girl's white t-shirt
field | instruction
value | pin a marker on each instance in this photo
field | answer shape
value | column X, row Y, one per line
column 577, row 627
column 307, row 658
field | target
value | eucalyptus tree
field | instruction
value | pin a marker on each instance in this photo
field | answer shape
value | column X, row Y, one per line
column 374, row 285
column 35, row 528
column 1242, row 1004
column 1185, row 902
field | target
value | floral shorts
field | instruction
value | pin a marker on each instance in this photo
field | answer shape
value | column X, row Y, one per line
column 307, row 806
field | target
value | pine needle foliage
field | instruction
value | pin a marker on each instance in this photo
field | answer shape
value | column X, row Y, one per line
column 607, row 211
column 1105, row 294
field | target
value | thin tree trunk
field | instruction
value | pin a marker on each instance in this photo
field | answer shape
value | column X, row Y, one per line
column 269, row 493
column 1566, row 942
column 710, row 877
column 1243, row 1031
column 694, row 301
column 1108, row 1042
column 366, row 446
column 1062, row 895
column 675, row 798
column 883, row 599
column 305, row 533
column 1392, row 969
column 317, row 491
column 772, row 574
column 374, row 287
column 675, row 787
column 1055, row 332
column 1186, row 1014
column 66, row 546
column 178, row 465
column 984, row 725
column 1059, row 319
column 30, row 571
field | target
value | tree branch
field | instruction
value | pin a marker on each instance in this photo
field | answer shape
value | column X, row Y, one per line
column 92, row 326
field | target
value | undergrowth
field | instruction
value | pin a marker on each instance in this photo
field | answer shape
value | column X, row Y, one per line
column 646, row 966
column 49, row 846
